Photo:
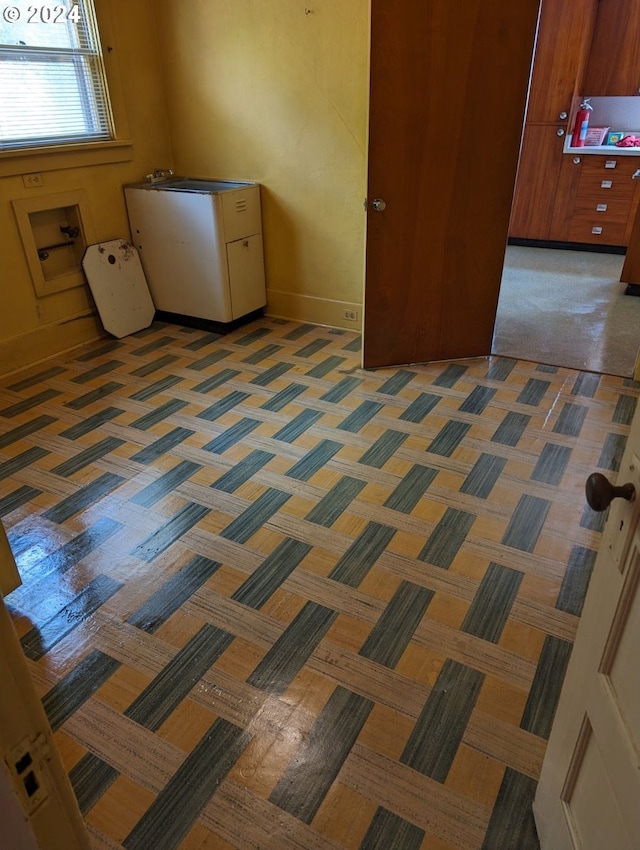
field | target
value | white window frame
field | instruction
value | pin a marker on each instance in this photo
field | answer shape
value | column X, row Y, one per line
column 85, row 114
column 49, row 157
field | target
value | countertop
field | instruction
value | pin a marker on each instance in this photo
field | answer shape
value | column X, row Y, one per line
column 606, row 150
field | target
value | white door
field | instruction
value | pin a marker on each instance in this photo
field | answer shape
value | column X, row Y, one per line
column 588, row 797
column 37, row 805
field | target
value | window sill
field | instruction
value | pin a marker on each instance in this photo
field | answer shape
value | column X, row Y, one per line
column 64, row 156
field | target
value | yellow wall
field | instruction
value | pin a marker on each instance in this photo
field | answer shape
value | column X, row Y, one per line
column 276, row 91
column 32, row 327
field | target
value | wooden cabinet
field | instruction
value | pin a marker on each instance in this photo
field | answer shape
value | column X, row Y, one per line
column 614, row 57
column 583, row 48
column 562, row 45
column 538, row 176
column 605, row 200
column 585, row 198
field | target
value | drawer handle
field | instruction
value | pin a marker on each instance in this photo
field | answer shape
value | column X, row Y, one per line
column 611, row 163
column 606, row 184
column 601, row 207
column 596, row 230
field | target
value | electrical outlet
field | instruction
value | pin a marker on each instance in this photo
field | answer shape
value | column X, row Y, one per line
column 32, row 180
column 25, row 765
column 351, row 315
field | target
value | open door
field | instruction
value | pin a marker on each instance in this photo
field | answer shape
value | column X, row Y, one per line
column 588, row 797
column 448, row 92
column 9, row 575
column 631, row 268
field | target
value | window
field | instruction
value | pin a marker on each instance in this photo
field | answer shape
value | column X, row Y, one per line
column 52, row 83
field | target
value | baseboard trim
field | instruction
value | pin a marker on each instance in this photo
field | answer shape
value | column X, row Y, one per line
column 567, row 246
column 28, row 349
column 316, row 311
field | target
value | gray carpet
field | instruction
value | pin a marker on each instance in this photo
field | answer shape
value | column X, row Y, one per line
column 567, row 308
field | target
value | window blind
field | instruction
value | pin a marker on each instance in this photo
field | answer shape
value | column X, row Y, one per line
column 52, row 83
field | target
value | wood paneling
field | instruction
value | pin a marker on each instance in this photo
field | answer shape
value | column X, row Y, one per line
column 614, row 57
column 547, row 181
column 538, row 176
column 564, row 35
column 565, row 197
column 443, row 156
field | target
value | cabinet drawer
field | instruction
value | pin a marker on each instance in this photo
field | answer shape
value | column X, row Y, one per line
column 604, row 178
column 587, row 229
column 608, row 166
column 602, row 210
column 605, row 187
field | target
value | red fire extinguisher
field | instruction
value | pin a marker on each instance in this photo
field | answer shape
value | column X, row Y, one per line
column 581, row 124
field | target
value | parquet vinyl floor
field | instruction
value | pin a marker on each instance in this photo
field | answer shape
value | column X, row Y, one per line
column 271, row 600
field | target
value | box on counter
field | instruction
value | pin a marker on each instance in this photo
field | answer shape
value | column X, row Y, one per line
column 596, row 136
column 614, row 136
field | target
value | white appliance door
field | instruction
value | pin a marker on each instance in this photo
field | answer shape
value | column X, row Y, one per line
column 182, row 251
column 118, row 286
column 246, row 275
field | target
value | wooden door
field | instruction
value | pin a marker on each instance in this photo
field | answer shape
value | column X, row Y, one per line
column 631, row 268
column 588, row 797
column 633, row 231
column 9, row 576
column 448, row 90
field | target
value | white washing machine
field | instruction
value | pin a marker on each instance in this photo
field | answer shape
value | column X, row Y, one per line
column 200, row 243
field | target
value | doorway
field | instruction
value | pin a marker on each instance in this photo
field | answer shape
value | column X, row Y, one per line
column 439, row 206
column 568, row 309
